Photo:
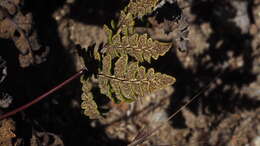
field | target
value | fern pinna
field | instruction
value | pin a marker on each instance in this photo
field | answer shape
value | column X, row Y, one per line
column 120, row 77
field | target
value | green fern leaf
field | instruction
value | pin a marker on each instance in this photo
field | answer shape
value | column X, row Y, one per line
column 140, row 47
column 139, row 8
column 121, row 78
column 106, row 69
column 126, row 23
column 130, row 81
column 88, row 104
column 135, row 8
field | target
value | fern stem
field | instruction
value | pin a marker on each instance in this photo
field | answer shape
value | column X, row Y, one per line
column 39, row 98
column 120, row 79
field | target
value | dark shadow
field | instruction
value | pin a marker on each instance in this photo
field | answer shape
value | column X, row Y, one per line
column 168, row 11
column 98, row 12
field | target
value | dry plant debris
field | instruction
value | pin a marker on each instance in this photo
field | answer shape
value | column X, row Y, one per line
column 7, row 128
column 18, row 27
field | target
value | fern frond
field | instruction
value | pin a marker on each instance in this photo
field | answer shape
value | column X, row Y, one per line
column 88, row 104
column 135, row 8
column 126, row 23
column 140, row 47
column 108, row 33
column 121, row 78
column 139, row 8
column 129, row 80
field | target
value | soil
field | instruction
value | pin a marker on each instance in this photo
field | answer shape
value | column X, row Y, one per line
column 216, row 44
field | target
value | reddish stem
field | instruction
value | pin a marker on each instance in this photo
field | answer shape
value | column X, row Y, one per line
column 39, row 98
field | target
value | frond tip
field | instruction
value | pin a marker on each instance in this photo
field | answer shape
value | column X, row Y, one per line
column 139, row 8
column 130, row 81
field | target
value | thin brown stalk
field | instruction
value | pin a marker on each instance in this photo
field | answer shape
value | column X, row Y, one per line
column 39, row 98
